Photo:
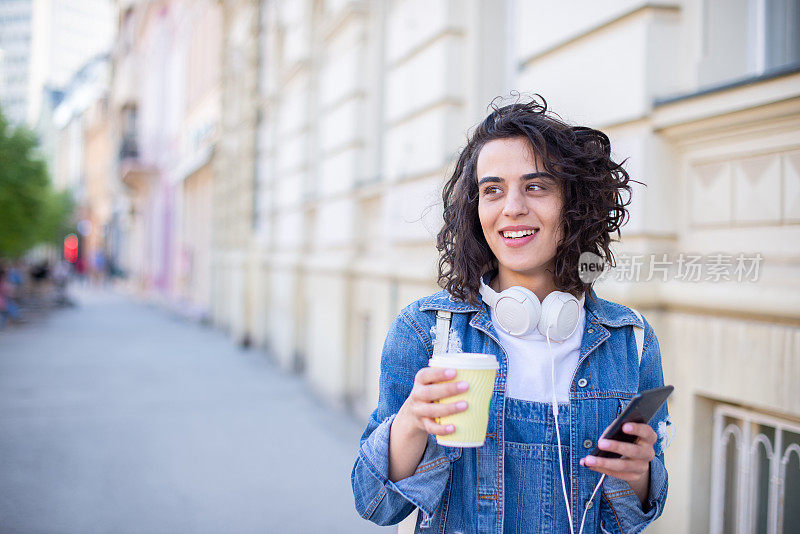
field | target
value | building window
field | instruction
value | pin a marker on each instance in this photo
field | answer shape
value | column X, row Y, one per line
column 756, row 473
column 129, row 147
column 744, row 38
column 781, row 37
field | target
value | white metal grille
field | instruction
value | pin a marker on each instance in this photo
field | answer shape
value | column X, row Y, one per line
column 756, row 473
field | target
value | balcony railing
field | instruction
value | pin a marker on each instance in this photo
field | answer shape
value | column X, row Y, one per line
column 755, row 480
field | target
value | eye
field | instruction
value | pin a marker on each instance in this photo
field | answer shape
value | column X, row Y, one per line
column 490, row 190
column 535, row 187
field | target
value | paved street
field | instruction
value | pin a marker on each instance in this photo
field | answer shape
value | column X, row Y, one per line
column 118, row 417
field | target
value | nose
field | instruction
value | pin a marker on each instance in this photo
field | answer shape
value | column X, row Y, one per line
column 515, row 204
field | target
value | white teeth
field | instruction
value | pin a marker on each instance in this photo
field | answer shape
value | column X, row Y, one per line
column 516, row 235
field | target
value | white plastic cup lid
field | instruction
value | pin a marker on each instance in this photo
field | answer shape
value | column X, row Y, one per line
column 464, row 360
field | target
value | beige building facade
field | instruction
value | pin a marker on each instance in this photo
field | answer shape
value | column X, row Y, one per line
column 99, row 185
column 362, row 107
column 307, row 208
column 233, row 281
column 198, row 138
column 166, row 120
column 83, row 156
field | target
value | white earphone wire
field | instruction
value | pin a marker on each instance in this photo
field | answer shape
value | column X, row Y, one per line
column 586, row 508
column 558, row 439
column 558, row 432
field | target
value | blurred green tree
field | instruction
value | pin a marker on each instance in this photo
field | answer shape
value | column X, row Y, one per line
column 31, row 211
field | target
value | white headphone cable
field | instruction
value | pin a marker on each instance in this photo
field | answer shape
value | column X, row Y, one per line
column 558, row 432
column 586, row 508
column 558, row 439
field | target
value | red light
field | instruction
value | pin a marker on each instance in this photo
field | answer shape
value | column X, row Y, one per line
column 71, row 248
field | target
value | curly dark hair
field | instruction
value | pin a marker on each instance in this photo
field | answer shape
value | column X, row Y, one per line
column 592, row 187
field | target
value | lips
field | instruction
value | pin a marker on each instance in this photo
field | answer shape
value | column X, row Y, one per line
column 517, row 236
column 518, row 228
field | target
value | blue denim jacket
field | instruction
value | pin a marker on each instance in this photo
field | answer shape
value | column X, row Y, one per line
column 465, row 489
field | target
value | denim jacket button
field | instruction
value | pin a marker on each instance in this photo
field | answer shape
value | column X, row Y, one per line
column 582, row 383
column 587, row 444
column 589, row 505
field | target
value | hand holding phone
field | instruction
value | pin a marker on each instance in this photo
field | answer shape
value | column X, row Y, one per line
column 641, row 409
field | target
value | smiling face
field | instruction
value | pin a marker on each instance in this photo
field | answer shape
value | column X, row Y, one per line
column 519, row 206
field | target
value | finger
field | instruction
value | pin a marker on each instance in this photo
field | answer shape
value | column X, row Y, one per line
column 628, row 477
column 432, row 427
column 644, row 431
column 642, row 451
column 431, row 375
column 439, row 410
column 434, row 392
column 617, row 465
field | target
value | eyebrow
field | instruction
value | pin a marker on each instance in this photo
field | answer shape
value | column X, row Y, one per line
column 524, row 177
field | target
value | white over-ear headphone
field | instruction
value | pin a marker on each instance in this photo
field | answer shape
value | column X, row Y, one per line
column 519, row 312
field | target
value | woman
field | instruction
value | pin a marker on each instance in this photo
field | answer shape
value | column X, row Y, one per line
column 528, row 195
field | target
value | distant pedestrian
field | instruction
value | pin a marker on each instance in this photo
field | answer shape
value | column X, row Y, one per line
column 9, row 309
column 99, row 273
column 15, row 276
column 40, row 272
column 60, row 280
column 82, row 267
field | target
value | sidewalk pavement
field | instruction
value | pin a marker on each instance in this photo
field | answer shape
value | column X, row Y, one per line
column 119, row 417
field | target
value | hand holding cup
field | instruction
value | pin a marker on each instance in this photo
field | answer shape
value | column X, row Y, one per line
column 422, row 407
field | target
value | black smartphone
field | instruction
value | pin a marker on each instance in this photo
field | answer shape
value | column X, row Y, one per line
column 642, row 407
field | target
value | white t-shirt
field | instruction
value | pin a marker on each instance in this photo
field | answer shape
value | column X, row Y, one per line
column 529, row 363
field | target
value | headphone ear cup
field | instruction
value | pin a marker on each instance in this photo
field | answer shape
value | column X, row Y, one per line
column 517, row 310
column 561, row 312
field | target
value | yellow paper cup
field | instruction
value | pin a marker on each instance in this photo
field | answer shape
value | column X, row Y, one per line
column 479, row 371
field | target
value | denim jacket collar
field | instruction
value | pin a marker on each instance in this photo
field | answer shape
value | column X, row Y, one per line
column 607, row 313
column 610, row 313
column 444, row 301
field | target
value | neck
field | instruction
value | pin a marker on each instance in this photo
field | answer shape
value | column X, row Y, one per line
column 541, row 284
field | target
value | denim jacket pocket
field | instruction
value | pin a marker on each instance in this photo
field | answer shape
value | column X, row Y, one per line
column 531, row 467
column 529, row 475
column 621, row 403
column 607, row 410
column 453, row 453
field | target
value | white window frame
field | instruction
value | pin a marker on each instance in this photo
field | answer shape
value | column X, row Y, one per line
column 745, row 442
column 757, row 20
